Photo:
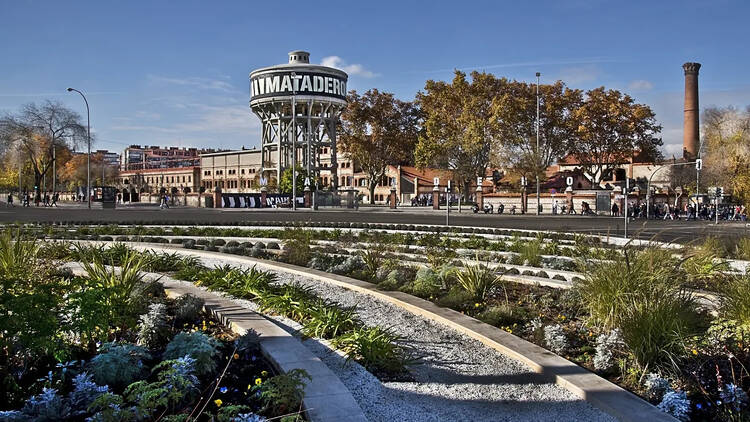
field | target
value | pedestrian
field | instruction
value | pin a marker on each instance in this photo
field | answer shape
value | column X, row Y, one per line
column 55, row 197
column 10, row 199
column 615, row 210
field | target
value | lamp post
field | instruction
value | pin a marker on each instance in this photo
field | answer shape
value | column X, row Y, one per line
column 294, row 141
column 88, row 136
column 538, row 157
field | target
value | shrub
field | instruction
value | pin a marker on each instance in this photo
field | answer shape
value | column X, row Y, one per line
column 656, row 386
column 282, row 394
column 218, row 242
column 248, row 342
column 478, row 280
column 153, row 327
column 187, row 308
column 457, row 298
column 559, row 277
column 676, row 404
column 197, row 345
column 176, row 383
column 188, row 244
column 427, row 284
column 735, row 299
column 122, row 239
column 202, row 242
column 503, row 315
column 555, row 339
column 46, row 407
column 260, row 245
column 397, row 278
column 233, row 243
column 118, row 365
column 371, row 258
column 297, row 247
column 272, row 245
column 531, row 253
column 177, row 241
column 742, row 248
column 85, row 391
column 376, row 349
column 607, row 347
column 329, row 320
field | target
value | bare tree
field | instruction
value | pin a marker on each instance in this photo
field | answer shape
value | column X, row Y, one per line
column 37, row 129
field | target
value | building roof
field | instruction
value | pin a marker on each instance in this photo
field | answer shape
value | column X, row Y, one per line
column 232, row 152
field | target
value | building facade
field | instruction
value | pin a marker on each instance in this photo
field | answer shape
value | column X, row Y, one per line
column 232, row 171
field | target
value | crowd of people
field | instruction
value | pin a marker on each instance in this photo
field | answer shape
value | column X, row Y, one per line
column 46, row 199
column 688, row 211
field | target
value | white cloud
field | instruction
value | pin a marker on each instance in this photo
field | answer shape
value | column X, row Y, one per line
column 577, row 75
column 197, row 82
column 352, row 69
column 640, row 85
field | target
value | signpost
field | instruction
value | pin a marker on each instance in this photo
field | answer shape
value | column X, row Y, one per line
column 447, row 203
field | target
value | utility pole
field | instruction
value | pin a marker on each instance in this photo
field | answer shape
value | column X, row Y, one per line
column 88, row 135
column 538, row 156
column 626, row 192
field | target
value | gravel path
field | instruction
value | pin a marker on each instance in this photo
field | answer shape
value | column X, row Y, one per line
column 459, row 379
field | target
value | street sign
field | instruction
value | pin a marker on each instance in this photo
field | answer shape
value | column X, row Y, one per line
column 699, row 164
column 569, row 181
column 523, row 180
column 479, row 181
column 449, row 188
column 263, row 181
column 436, row 181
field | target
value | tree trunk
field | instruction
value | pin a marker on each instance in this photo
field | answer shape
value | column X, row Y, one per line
column 372, row 193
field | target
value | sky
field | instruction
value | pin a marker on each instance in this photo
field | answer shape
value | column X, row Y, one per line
column 176, row 73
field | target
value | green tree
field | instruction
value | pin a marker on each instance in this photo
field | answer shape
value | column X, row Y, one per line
column 458, row 130
column 378, row 130
column 285, row 186
column 612, row 129
column 514, row 115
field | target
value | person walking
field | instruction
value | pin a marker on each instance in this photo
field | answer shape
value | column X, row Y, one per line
column 55, row 197
column 615, row 210
column 10, row 199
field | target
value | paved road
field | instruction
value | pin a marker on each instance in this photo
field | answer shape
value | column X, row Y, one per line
column 670, row 231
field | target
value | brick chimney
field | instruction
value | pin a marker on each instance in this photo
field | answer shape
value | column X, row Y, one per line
column 691, row 123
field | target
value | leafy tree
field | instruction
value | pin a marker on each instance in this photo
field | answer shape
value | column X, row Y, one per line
column 378, row 130
column 727, row 150
column 459, row 133
column 514, row 117
column 612, row 128
column 285, row 186
column 37, row 129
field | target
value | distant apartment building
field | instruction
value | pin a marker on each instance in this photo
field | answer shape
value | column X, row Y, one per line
column 153, row 169
column 232, row 171
column 110, row 158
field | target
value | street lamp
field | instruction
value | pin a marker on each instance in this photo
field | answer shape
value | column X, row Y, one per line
column 538, row 156
column 294, row 141
column 88, row 135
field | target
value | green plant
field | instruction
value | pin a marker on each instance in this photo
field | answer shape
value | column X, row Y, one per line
column 176, row 383
column 457, row 298
column 735, row 299
column 197, row 345
column 118, row 365
column 297, row 247
column 531, row 253
column 153, row 327
column 372, row 259
column 283, row 393
column 375, row 348
column 326, row 320
column 637, row 293
column 118, row 285
column 478, row 280
column 503, row 315
column 187, row 308
column 742, row 248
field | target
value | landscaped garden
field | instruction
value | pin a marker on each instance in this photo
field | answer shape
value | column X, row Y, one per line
column 633, row 314
column 109, row 345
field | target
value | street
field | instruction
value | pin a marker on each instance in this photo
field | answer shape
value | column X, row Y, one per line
column 668, row 231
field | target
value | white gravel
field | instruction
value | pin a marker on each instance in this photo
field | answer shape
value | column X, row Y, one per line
column 459, row 378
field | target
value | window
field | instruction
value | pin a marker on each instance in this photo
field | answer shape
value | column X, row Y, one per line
column 242, row 171
column 189, row 177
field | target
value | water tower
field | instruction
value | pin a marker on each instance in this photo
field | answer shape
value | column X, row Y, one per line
column 299, row 104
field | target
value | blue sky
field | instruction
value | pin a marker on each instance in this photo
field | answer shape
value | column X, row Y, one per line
column 176, row 73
